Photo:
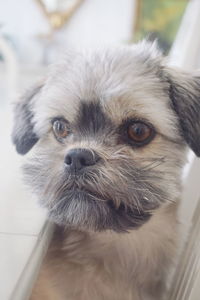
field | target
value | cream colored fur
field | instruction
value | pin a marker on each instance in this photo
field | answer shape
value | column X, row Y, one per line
column 104, row 257
column 110, row 266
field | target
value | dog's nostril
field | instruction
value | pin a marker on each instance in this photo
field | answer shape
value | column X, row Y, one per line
column 77, row 159
column 83, row 161
column 68, row 160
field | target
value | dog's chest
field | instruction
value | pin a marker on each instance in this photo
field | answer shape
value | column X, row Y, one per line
column 86, row 268
column 94, row 281
column 110, row 266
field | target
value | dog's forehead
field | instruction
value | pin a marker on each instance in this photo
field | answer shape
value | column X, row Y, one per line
column 124, row 83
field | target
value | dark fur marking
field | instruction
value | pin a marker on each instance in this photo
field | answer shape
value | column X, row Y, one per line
column 91, row 119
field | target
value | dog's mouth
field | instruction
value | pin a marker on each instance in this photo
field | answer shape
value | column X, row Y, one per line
column 84, row 208
column 93, row 195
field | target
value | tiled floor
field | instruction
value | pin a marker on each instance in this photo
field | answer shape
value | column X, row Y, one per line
column 21, row 219
column 15, row 250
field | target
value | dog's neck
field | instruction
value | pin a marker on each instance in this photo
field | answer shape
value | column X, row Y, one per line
column 137, row 245
column 127, row 262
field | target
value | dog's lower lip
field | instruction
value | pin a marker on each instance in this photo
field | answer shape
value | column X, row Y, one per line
column 84, row 190
column 89, row 193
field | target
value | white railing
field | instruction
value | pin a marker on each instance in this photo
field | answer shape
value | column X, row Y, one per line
column 185, row 53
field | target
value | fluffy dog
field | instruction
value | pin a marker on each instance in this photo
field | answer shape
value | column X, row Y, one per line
column 110, row 131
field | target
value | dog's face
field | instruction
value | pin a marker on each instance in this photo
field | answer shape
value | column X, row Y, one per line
column 110, row 131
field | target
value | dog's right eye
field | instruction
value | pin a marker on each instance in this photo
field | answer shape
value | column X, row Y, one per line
column 60, row 129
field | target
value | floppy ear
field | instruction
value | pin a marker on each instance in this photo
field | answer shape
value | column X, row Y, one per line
column 184, row 92
column 23, row 135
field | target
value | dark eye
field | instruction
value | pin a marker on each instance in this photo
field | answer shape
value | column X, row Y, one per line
column 60, row 129
column 140, row 133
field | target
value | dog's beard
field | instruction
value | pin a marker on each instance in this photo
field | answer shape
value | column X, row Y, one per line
column 117, row 196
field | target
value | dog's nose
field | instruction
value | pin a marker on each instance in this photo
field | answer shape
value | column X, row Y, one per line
column 77, row 159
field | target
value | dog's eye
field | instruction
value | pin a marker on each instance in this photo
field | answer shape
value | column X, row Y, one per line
column 60, row 129
column 140, row 133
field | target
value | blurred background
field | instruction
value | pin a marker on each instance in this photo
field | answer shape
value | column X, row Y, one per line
column 34, row 34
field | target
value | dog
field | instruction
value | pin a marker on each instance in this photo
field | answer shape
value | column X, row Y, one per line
column 109, row 132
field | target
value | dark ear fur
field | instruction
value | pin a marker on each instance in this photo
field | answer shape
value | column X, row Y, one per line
column 23, row 135
column 184, row 92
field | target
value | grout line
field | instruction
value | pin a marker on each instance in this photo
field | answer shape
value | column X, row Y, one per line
column 19, row 234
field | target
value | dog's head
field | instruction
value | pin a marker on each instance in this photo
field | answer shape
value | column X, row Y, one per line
column 110, row 131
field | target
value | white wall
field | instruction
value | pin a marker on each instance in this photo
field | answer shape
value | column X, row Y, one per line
column 95, row 22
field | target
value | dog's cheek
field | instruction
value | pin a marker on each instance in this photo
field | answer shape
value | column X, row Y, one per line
column 159, row 164
column 44, row 170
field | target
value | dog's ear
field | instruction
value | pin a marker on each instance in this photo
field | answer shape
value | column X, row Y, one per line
column 184, row 92
column 23, row 135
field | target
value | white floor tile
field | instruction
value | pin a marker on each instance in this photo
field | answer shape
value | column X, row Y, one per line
column 15, row 251
column 19, row 211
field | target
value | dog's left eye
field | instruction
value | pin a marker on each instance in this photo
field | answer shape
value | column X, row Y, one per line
column 140, row 133
column 60, row 129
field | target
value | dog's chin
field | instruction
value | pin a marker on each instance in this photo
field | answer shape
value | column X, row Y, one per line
column 84, row 210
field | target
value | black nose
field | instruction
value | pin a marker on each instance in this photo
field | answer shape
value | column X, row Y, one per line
column 77, row 159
